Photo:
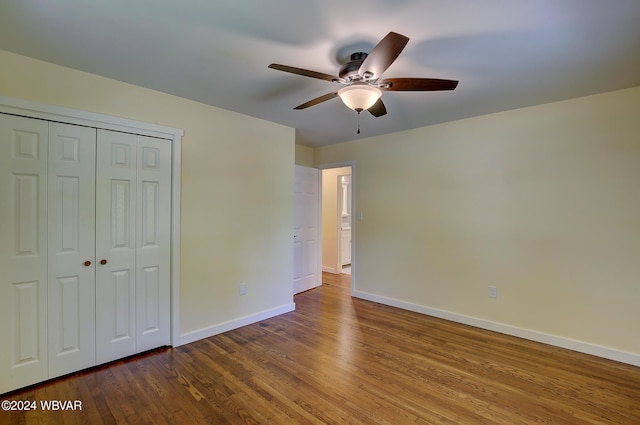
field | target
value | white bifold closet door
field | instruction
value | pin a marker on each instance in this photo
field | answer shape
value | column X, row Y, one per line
column 23, row 251
column 133, row 216
column 71, row 229
column 85, row 229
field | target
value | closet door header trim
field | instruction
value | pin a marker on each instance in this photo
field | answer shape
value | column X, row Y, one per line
column 73, row 116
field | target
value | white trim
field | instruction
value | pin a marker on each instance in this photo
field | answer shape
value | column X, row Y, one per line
column 330, row 270
column 210, row 331
column 43, row 111
column 354, row 211
column 90, row 119
column 557, row 341
column 176, row 173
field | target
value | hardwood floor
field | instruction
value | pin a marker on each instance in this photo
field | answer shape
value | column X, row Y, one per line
column 338, row 360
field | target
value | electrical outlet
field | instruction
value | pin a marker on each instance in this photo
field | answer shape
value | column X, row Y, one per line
column 493, row 292
column 243, row 289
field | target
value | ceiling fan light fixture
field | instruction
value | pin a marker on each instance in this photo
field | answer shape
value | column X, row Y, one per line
column 359, row 97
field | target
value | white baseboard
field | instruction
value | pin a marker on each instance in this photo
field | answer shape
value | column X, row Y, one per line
column 233, row 324
column 331, row 270
column 582, row 347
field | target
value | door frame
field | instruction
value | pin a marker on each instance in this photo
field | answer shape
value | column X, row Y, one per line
column 354, row 211
column 47, row 112
column 340, row 205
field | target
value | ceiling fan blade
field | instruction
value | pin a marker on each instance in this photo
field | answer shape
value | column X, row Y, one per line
column 378, row 109
column 317, row 100
column 383, row 55
column 418, row 84
column 303, row 72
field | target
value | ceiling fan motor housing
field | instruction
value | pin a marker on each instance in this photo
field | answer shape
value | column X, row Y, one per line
column 349, row 71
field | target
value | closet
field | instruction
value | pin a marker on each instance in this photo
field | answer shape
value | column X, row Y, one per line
column 85, row 247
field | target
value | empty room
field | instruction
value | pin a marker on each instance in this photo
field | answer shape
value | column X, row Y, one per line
column 321, row 212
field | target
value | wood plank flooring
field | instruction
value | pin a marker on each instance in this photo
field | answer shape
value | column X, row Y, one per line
column 338, row 360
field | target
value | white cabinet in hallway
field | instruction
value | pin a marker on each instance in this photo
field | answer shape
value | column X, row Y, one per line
column 346, row 246
column 85, row 239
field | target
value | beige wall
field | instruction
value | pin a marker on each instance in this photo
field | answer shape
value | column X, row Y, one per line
column 331, row 261
column 542, row 202
column 305, row 156
column 237, row 187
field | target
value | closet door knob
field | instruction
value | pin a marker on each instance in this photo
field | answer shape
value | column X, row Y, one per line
column 87, row 263
column 103, row 262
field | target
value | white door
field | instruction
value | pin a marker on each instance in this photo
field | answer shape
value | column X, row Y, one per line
column 85, row 229
column 307, row 272
column 71, row 229
column 153, row 243
column 133, row 232
column 23, row 251
column 115, row 245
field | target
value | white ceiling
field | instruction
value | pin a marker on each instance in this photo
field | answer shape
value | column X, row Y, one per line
column 505, row 53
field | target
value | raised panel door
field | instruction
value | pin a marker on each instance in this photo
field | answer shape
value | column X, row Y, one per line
column 116, row 187
column 71, row 224
column 153, row 254
column 306, row 250
column 23, row 251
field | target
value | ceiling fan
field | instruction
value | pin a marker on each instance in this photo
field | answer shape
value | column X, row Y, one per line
column 361, row 78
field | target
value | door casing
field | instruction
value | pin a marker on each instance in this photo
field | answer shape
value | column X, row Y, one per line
column 355, row 214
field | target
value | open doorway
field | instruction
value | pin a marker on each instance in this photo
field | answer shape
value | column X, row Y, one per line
column 338, row 249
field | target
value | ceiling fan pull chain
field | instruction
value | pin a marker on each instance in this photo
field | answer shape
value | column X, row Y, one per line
column 358, row 123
